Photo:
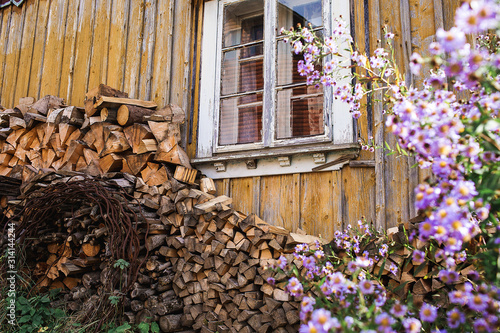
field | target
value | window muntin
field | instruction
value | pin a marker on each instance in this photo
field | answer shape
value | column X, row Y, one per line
column 255, row 65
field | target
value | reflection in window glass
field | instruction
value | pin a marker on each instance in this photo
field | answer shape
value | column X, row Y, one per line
column 299, row 112
column 243, row 22
column 303, row 12
column 241, row 120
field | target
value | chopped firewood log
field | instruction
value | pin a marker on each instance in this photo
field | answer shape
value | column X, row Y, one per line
column 132, row 114
column 169, row 151
column 116, row 102
column 110, row 163
column 137, row 162
column 207, row 185
column 154, row 174
column 135, row 134
column 32, row 118
column 185, row 175
column 108, row 115
column 162, row 130
column 46, row 103
column 16, row 123
column 95, row 94
column 73, row 115
column 54, row 116
column 115, row 143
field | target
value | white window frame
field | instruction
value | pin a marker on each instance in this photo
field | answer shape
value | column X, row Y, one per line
column 338, row 122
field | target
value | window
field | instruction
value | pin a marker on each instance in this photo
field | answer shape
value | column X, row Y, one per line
column 252, row 98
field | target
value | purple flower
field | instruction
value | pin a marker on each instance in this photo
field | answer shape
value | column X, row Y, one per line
column 294, row 287
column 428, row 313
column 451, row 40
column 399, row 310
column 478, row 302
column 383, row 250
column 322, row 319
column 384, row 322
column 481, row 325
column 271, row 281
column 418, row 257
column 455, row 318
column 412, row 325
column 281, row 262
column 366, row 287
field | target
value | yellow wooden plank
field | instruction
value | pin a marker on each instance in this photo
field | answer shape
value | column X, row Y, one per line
column 83, row 51
column 365, row 122
column 148, row 47
column 359, row 194
column 316, row 196
column 160, row 86
column 338, row 200
column 12, row 55
column 38, row 48
column 396, row 171
column 100, row 47
column 180, row 58
column 4, row 38
column 26, row 55
column 242, row 193
column 51, row 69
column 271, row 200
column 134, row 47
column 118, row 43
column 68, row 60
column 280, row 201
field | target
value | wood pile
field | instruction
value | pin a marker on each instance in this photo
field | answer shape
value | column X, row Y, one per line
column 112, row 133
column 204, row 264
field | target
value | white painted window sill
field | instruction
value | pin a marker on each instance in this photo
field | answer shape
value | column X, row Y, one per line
column 277, row 161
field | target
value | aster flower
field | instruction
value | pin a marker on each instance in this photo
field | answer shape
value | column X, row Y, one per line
column 452, row 39
column 412, row 325
column 481, row 325
column 384, row 322
column 322, row 319
column 455, row 318
column 428, row 313
column 399, row 310
column 366, row 287
column 281, row 262
column 418, row 257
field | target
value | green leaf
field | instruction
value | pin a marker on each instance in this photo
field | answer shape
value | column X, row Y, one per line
column 143, row 327
column 24, row 319
column 155, row 328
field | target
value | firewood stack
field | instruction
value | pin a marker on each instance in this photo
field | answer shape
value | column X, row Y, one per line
column 204, row 264
column 112, row 133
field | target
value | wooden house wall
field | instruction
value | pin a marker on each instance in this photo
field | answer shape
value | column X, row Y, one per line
column 143, row 47
column 66, row 47
column 323, row 202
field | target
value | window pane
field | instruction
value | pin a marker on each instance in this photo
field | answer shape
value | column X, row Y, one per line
column 293, row 12
column 242, row 70
column 241, row 119
column 299, row 112
column 243, row 22
column 287, row 61
column 287, row 65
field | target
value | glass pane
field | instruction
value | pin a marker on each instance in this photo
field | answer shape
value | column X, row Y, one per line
column 242, row 70
column 243, row 22
column 286, row 65
column 299, row 112
column 241, row 120
column 293, row 12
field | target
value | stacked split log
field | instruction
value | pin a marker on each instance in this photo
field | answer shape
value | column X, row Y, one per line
column 113, row 133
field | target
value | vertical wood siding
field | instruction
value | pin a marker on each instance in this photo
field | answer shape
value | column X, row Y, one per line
column 66, row 47
column 143, row 47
